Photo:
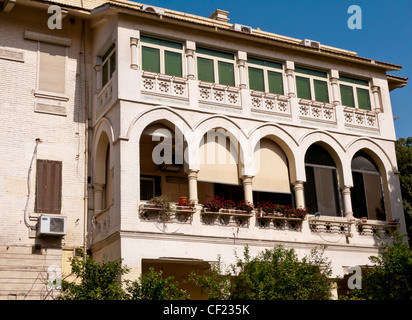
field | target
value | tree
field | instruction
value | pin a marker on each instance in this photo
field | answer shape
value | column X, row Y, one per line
column 152, row 286
column 275, row 274
column 391, row 277
column 102, row 281
column 403, row 149
column 94, row 281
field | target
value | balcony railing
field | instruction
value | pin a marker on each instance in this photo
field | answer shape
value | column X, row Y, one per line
column 198, row 95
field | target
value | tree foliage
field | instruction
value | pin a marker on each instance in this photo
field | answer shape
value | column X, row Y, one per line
column 102, row 281
column 275, row 274
column 403, row 149
column 391, row 277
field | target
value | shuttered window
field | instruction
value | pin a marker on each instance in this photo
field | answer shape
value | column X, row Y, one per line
column 265, row 76
column 48, row 186
column 312, row 84
column 355, row 93
column 162, row 56
column 52, row 68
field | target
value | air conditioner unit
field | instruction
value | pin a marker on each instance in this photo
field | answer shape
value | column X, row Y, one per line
column 49, row 225
column 242, row 28
column 311, row 43
column 153, row 9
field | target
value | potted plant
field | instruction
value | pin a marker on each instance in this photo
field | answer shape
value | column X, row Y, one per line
column 245, row 206
column 163, row 204
column 228, row 206
column 213, row 204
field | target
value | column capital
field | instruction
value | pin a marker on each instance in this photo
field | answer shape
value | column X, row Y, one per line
column 98, row 187
column 134, row 41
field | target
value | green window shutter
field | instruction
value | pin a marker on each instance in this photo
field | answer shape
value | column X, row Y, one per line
column 311, row 72
column 346, row 94
column 226, row 73
column 303, row 88
column 173, row 63
column 256, row 81
column 218, row 54
column 151, row 59
column 161, row 42
column 105, row 73
column 205, row 70
column 321, row 90
column 363, row 99
column 275, row 81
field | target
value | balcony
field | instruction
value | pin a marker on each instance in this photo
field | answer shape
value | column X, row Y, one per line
column 228, row 100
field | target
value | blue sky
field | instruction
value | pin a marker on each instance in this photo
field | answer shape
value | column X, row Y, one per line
column 386, row 33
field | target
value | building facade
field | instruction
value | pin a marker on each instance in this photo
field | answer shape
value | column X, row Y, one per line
column 127, row 102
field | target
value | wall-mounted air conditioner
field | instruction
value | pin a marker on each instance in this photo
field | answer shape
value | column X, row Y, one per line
column 153, row 9
column 50, row 225
column 242, row 28
column 311, row 43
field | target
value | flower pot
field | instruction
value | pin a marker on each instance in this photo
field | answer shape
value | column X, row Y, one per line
column 364, row 219
column 182, row 201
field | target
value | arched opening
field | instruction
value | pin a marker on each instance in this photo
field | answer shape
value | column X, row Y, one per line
column 271, row 182
column 366, row 193
column 321, row 188
column 103, row 174
column 219, row 167
column 162, row 166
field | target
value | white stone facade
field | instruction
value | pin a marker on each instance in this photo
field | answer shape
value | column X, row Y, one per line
column 123, row 105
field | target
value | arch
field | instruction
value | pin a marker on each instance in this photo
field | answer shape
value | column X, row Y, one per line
column 383, row 161
column 330, row 144
column 282, row 138
column 102, row 140
column 217, row 122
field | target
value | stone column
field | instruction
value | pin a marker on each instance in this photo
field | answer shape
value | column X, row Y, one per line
column 190, row 62
column 299, row 195
column 241, row 65
column 133, row 52
column 98, row 69
column 247, row 188
column 333, row 77
column 192, row 177
column 289, row 71
column 375, row 93
column 98, row 196
column 347, row 202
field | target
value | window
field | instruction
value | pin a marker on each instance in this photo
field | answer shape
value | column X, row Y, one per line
column 162, row 56
column 48, row 186
column 321, row 186
column 366, row 194
column 215, row 66
column 52, row 68
column 108, row 64
column 265, row 76
column 354, row 93
column 312, row 84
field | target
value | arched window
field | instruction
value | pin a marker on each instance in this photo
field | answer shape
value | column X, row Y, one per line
column 321, row 187
column 162, row 163
column 271, row 182
column 366, row 194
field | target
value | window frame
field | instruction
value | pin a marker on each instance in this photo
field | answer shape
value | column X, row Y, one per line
column 355, row 84
column 107, row 59
column 216, row 59
column 312, row 79
column 266, row 70
column 162, row 49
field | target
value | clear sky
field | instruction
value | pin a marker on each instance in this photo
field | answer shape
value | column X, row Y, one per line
column 386, row 33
